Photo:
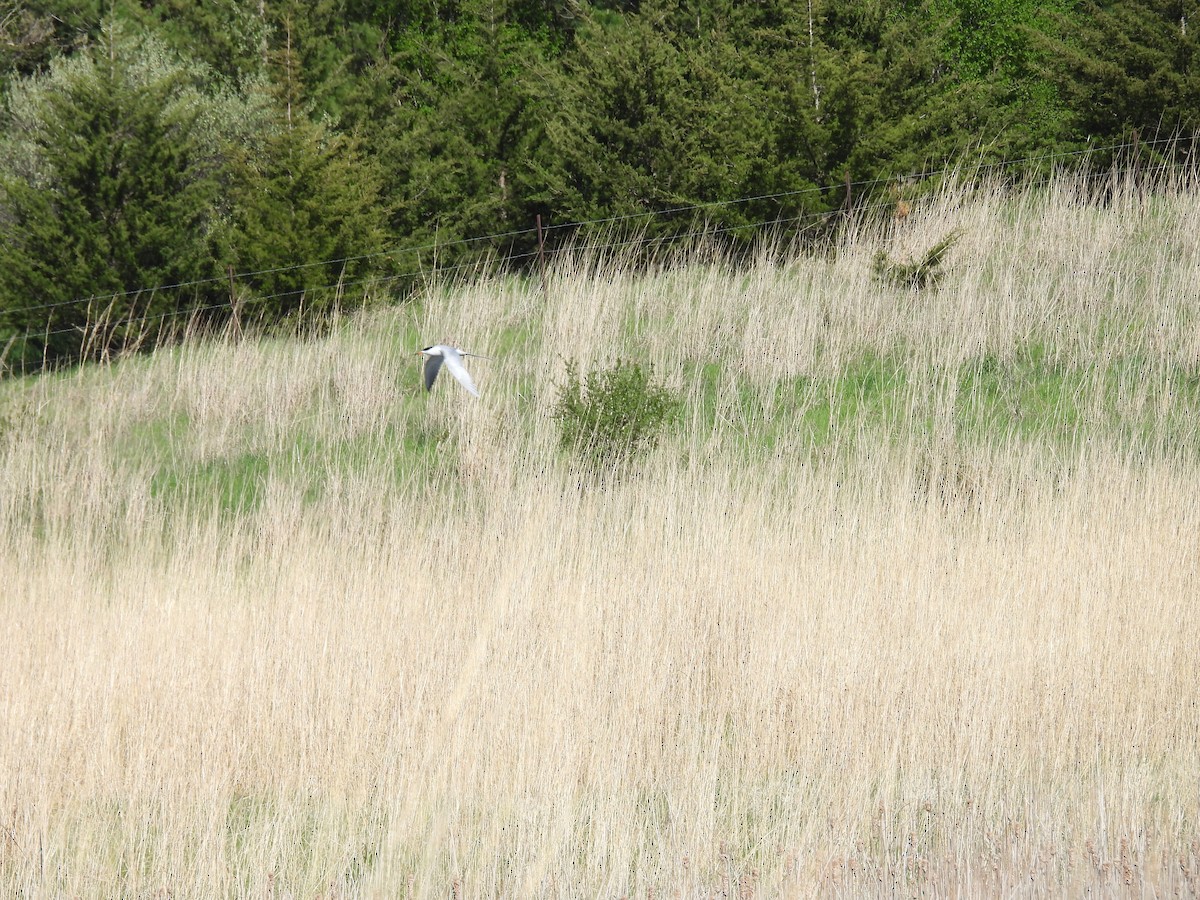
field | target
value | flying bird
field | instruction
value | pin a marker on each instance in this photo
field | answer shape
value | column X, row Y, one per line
column 452, row 357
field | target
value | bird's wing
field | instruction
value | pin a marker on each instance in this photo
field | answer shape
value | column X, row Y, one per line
column 458, row 370
column 432, row 364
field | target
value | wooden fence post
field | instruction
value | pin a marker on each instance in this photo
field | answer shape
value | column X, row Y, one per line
column 542, row 258
column 235, row 305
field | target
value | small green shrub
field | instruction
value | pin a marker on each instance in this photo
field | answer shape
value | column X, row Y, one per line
column 916, row 273
column 614, row 414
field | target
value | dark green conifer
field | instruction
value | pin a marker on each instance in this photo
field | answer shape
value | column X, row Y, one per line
column 108, row 193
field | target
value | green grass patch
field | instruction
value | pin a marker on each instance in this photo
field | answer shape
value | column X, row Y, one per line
column 869, row 391
column 156, row 440
column 232, row 485
column 1034, row 395
column 1131, row 401
column 1029, row 396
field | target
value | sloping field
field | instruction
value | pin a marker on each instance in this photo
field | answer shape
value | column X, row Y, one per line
column 906, row 603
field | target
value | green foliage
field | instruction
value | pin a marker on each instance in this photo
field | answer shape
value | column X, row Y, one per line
column 303, row 195
column 1132, row 400
column 231, row 486
column 131, row 180
column 108, row 186
column 916, row 273
column 462, row 118
column 614, row 414
column 34, row 32
column 654, row 113
column 307, row 220
column 1130, row 65
column 229, row 38
column 145, row 144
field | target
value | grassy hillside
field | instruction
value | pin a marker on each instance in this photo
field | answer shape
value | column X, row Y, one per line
column 905, row 602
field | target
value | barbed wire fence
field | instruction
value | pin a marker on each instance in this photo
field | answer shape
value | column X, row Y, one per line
column 604, row 235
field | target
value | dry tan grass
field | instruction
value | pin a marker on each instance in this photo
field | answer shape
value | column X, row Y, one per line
column 927, row 665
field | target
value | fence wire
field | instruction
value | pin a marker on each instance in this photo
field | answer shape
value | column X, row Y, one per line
column 92, row 329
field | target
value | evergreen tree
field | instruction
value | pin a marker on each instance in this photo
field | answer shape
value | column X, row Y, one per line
column 108, row 191
column 331, row 129
column 229, row 38
column 672, row 109
column 33, row 32
column 307, row 219
column 307, row 216
column 1128, row 66
column 462, row 117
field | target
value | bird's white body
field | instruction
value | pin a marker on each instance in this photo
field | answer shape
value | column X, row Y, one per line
column 452, row 357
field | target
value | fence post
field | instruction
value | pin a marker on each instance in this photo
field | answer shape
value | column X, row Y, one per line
column 1136, row 174
column 234, row 305
column 542, row 258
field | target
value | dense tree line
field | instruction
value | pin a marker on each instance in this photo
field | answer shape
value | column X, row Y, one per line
column 224, row 152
